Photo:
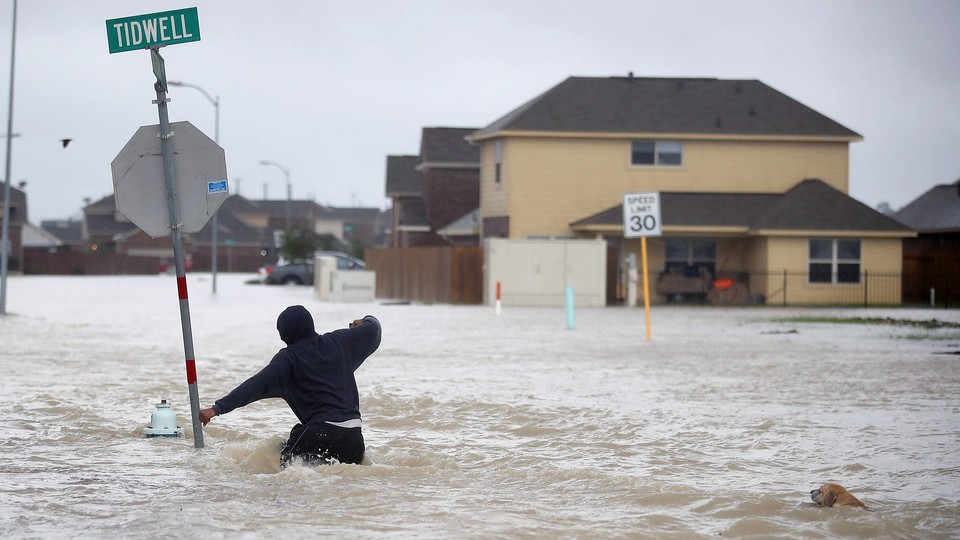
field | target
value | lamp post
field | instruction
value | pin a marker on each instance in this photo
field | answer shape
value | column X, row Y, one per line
column 286, row 173
column 215, row 101
column 5, row 238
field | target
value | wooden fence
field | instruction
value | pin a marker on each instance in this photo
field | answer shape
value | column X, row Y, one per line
column 71, row 263
column 441, row 275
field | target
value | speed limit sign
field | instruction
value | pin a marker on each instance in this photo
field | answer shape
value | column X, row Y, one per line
column 641, row 215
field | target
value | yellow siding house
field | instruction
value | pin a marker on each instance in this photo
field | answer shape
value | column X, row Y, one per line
column 754, row 189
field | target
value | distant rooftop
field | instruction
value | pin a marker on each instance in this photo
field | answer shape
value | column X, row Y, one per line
column 937, row 210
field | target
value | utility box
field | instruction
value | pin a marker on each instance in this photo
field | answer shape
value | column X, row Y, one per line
column 332, row 285
column 538, row 272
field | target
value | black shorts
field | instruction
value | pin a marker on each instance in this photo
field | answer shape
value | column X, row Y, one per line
column 323, row 444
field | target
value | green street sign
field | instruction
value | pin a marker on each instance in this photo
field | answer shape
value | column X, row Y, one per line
column 153, row 30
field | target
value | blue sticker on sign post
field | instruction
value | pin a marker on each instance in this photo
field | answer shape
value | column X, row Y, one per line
column 217, row 187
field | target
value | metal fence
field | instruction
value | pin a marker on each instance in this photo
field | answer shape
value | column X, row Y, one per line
column 787, row 288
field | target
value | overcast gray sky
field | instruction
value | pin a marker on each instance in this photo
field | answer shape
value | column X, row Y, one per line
column 329, row 89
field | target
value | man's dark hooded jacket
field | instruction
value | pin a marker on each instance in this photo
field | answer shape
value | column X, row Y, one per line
column 313, row 373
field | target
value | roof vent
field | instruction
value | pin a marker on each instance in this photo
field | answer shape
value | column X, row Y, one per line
column 629, row 74
column 752, row 111
column 719, row 121
column 680, row 84
column 739, row 88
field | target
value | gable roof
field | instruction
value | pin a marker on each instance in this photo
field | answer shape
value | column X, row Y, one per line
column 702, row 106
column 102, row 219
column 354, row 214
column 445, row 146
column 937, row 210
column 17, row 204
column 106, row 205
column 231, row 224
column 466, row 225
column 69, row 231
column 811, row 205
column 300, row 208
column 33, row 236
column 403, row 179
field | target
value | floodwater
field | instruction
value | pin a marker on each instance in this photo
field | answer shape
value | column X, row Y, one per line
column 477, row 425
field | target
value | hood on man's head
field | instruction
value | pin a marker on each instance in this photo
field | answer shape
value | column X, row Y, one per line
column 295, row 323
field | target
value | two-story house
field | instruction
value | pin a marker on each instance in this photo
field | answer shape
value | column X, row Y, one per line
column 16, row 221
column 408, row 227
column 436, row 194
column 753, row 185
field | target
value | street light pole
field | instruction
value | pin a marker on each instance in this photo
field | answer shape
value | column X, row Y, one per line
column 286, row 173
column 5, row 238
column 215, row 101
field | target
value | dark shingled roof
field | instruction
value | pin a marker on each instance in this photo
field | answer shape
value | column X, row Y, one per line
column 67, row 230
column 811, row 205
column 403, row 179
column 354, row 214
column 300, row 208
column 937, row 210
column 667, row 105
column 231, row 227
column 448, row 145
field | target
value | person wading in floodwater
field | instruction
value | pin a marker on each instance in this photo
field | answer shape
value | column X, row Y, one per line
column 314, row 375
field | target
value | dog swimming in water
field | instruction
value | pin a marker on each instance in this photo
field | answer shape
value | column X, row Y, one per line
column 831, row 494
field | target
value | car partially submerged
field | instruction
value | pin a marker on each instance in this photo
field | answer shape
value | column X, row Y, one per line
column 301, row 272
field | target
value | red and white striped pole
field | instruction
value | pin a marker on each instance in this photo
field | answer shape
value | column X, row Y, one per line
column 169, row 174
column 498, row 298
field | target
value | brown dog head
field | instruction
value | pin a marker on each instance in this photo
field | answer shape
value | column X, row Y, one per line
column 830, row 494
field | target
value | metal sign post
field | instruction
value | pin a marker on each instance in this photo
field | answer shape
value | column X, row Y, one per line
column 5, row 238
column 170, row 180
column 194, row 185
column 641, row 218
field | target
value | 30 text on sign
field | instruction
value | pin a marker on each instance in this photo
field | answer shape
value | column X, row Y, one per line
column 641, row 215
column 153, row 30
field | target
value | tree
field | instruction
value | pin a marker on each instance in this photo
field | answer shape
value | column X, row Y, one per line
column 885, row 209
column 299, row 244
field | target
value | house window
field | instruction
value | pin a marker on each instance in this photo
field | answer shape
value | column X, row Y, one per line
column 834, row 260
column 656, row 153
column 499, row 151
column 689, row 255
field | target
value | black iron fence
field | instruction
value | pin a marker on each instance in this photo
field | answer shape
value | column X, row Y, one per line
column 786, row 288
column 797, row 288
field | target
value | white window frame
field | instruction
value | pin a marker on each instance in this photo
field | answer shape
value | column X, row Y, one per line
column 498, row 160
column 660, row 150
column 835, row 262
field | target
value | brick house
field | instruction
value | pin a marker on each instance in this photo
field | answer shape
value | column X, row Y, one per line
column 437, row 192
column 408, row 227
column 16, row 222
column 932, row 260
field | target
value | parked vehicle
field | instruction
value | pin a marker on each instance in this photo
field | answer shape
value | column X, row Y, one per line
column 301, row 273
column 168, row 265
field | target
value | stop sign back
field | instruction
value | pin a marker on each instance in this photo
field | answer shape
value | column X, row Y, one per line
column 140, row 188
